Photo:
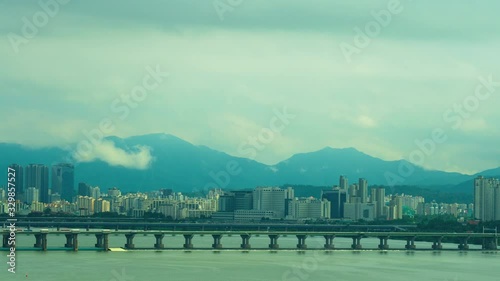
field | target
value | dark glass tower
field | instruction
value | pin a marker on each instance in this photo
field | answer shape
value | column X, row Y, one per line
column 63, row 181
column 337, row 198
column 84, row 189
column 37, row 175
column 243, row 200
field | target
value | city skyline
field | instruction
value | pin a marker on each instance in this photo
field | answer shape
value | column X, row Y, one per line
column 237, row 140
column 261, row 202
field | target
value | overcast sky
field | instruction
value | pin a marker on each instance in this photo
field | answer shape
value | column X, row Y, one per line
column 231, row 67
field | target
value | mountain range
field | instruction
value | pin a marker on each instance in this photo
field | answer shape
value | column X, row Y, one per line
column 182, row 166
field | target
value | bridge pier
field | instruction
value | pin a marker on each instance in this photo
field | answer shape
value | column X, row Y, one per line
column 302, row 242
column 43, row 237
column 130, row 240
column 329, row 241
column 490, row 243
column 69, row 240
column 105, row 245
column 463, row 243
column 356, row 243
column 75, row 242
column 38, row 241
column 217, row 244
column 383, row 243
column 437, row 244
column 100, row 238
column 5, row 241
column 188, row 241
column 159, row 241
column 245, row 241
column 410, row 243
column 102, row 241
column 274, row 241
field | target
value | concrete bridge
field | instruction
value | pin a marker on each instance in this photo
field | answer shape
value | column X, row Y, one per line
column 490, row 240
column 141, row 224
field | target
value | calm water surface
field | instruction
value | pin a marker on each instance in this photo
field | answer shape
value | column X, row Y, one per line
column 229, row 265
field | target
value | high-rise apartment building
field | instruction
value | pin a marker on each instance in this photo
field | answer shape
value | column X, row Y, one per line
column 85, row 205
column 486, row 199
column 378, row 198
column 63, row 181
column 357, row 206
column 343, row 183
column 37, row 175
column 101, row 206
column 353, row 192
column 32, row 195
column 95, row 192
column 363, row 190
column 396, row 208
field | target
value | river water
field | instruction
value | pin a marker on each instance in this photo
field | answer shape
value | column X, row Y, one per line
column 254, row 265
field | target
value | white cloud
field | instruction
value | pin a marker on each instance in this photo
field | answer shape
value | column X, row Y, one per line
column 138, row 158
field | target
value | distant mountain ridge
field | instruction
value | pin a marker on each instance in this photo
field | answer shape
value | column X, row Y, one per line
column 185, row 167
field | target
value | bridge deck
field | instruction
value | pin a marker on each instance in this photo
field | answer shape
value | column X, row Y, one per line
column 307, row 233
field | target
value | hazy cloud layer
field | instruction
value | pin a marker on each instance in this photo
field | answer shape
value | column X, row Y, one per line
column 228, row 76
column 106, row 151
